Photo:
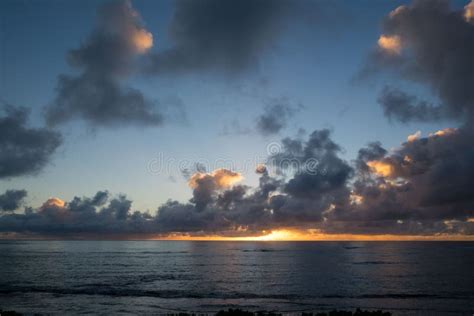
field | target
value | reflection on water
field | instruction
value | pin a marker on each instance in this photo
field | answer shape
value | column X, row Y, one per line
column 166, row 276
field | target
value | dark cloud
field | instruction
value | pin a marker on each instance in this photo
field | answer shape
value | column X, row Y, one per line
column 319, row 182
column 11, row 200
column 322, row 170
column 421, row 187
column 224, row 34
column 24, row 150
column 204, row 190
column 88, row 204
column 97, row 94
column 206, row 185
column 402, row 107
column 275, row 116
column 373, row 151
column 430, row 43
column 178, row 217
column 119, row 208
column 436, row 169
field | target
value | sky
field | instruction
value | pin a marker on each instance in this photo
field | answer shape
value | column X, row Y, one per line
column 179, row 117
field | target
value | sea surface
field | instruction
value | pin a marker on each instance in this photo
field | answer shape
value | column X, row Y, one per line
column 149, row 277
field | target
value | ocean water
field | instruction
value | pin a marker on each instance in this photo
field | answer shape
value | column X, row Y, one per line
column 148, row 277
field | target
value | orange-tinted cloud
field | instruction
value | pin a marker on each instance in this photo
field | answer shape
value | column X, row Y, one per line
column 469, row 12
column 390, row 44
column 223, row 178
column 142, row 40
column 53, row 202
column 380, row 168
column 444, row 132
column 414, row 136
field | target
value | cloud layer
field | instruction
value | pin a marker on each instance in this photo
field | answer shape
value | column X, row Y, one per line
column 423, row 187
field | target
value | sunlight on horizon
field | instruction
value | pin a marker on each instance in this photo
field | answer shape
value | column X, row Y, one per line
column 313, row 235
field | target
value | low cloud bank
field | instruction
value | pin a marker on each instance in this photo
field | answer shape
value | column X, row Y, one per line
column 423, row 187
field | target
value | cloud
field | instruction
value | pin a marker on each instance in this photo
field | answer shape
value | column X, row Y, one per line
column 97, row 94
column 416, row 189
column 301, row 197
column 53, row 202
column 205, row 185
column 261, row 169
column 318, row 179
column 469, row 12
column 405, row 108
column 430, row 43
column 11, row 200
column 319, row 169
column 421, row 187
column 390, row 44
column 414, row 136
column 380, row 168
column 178, row 217
column 222, row 178
column 373, row 151
column 24, row 150
column 97, row 215
column 427, row 191
column 275, row 116
column 224, row 35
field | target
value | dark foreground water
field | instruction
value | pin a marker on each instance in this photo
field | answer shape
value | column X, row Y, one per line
column 130, row 277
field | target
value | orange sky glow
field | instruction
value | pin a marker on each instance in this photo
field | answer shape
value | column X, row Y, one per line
column 310, row 235
column 266, row 236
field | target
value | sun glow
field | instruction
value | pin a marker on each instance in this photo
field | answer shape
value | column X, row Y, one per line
column 314, row 235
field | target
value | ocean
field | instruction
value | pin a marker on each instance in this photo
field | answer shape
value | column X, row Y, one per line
column 150, row 277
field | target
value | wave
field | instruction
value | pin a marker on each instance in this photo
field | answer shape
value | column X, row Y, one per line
column 375, row 262
column 106, row 290
column 103, row 290
column 31, row 253
column 261, row 250
column 138, row 252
